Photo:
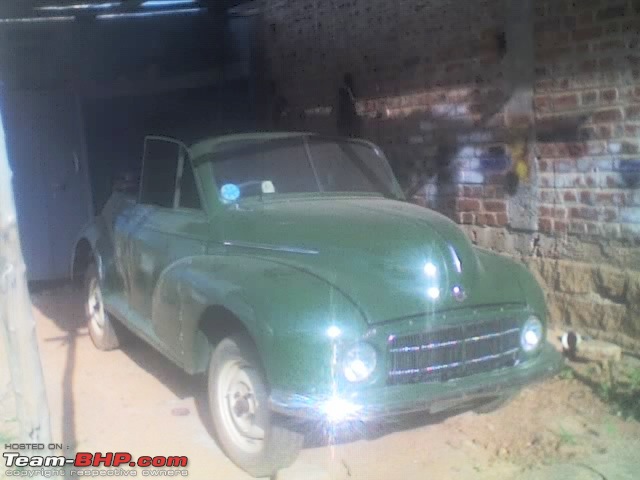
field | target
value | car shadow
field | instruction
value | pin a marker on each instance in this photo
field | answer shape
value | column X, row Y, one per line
column 62, row 303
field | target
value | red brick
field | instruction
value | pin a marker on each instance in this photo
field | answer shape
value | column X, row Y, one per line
column 472, row 191
column 576, row 149
column 587, row 33
column 465, row 218
column 584, row 213
column 609, row 96
column 546, row 150
column 490, row 191
column 559, row 213
column 610, row 215
column 542, row 103
column 495, row 206
column 486, row 219
column 570, row 197
column 490, row 219
column 566, row 102
column 607, row 116
column 502, row 220
column 585, row 18
column 544, row 211
column 588, row 66
column 585, row 197
column 604, row 132
column 467, row 205
column 632, row 112
column 560, row 227
column 545, row 225
column 589, row 98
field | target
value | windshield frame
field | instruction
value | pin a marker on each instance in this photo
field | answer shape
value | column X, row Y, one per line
column 392, row 190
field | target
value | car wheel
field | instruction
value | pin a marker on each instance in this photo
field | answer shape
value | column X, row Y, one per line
column 252, row 436
column 101, row 326
column 493, row 405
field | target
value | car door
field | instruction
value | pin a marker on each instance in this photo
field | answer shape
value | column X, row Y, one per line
column 185, row 229
column 147, row 246
column 170, row 225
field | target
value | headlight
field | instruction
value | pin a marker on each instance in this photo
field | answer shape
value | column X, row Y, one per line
column 531, row 335
column 359, row 362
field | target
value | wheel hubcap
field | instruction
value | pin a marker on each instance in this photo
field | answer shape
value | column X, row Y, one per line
column 95, row 308
column 239, row 396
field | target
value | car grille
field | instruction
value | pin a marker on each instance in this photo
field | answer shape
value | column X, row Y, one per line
column 454, row 352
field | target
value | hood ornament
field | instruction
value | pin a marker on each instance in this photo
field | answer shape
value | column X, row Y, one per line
column 458, row 293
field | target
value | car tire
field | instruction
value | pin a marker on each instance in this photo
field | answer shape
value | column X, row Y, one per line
column 493, row 405
column 254, row 438
column 102, row 328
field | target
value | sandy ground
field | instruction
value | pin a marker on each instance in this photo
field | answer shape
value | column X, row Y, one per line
column 135, row 400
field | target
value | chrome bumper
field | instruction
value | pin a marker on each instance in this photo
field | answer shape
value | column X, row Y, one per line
column 334, row 408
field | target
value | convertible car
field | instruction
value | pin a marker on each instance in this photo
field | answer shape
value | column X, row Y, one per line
column 289, row 269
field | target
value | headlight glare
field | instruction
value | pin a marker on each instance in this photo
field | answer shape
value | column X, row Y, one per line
column 531, row 335
column 359, row 362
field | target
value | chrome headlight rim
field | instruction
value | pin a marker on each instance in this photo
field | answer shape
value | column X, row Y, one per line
column 359, row 362
column 532, row 334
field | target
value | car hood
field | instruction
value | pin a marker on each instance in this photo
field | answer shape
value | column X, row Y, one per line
column 380, row 253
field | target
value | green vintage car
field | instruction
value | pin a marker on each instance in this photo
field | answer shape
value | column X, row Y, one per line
column 290, row 269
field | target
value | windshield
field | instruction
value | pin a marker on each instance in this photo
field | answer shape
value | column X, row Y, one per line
column 301, row 165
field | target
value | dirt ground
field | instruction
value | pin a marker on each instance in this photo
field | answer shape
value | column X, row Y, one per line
column 135, row 400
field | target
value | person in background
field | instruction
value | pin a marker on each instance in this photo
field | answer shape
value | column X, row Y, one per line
column 279, row 108
column 348, row 121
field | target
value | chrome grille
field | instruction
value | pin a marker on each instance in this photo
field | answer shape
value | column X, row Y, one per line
column 454, row 352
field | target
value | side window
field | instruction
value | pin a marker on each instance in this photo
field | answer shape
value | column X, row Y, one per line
column 189, row 197
column 159, row 173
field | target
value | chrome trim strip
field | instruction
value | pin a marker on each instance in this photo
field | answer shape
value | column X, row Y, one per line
column 272, row 248
column 412, row 371
column 456, row 259
column 432, row 346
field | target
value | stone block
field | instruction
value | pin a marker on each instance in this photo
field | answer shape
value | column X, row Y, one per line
column 575, row 278
column 611, row 282
column 599, row 351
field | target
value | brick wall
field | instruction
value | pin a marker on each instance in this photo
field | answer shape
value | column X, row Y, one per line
column 519, row 120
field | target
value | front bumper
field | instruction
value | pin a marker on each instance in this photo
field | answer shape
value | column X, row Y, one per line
column 390, row 401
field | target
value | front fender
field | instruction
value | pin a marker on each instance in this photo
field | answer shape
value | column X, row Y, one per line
column 286, row 310
column 91, row 237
